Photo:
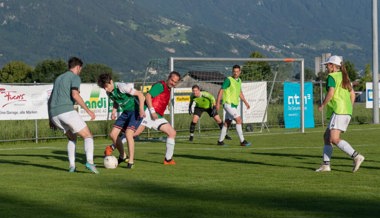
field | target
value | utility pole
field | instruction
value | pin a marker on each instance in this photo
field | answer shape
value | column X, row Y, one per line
column 375, row 71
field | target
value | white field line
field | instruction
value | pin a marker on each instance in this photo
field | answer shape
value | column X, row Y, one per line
column 213, row 148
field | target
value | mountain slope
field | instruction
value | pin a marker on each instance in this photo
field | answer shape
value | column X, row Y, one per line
column 126, row 34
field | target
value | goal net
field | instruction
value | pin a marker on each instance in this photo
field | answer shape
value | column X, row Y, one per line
column 263, row 87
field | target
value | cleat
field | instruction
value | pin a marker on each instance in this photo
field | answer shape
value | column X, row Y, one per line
column 324, row 168
column 245, row 143
column 191, row 138
column 92, row 168
column 220, row 143
column 228, row 137
column 122, row 160
column 108, row 151
column 130, row 166
column 169, row 162
column 358, row 160
column 72, row 170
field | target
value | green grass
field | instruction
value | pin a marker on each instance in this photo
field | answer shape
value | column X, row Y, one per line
column 273, row 178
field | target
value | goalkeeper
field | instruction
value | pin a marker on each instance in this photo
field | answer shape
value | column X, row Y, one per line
column 204, row 102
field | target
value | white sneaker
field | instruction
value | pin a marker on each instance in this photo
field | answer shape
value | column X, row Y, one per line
column 323, row 168
column 358, row 160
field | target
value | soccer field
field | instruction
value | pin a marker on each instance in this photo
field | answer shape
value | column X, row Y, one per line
column 272, row 178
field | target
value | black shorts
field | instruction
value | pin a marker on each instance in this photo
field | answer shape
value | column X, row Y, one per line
column 198, row 111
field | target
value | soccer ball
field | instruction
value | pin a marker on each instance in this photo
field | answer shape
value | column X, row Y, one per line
column 110, row 162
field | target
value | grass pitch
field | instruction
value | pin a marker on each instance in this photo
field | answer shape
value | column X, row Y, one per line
column 273, row 178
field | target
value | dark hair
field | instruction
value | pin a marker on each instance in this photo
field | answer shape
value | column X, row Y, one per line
column 346, row 83
column 73, row 62
column 174, row 73
column 103, row 79
column 195, row 86
column 235, row 66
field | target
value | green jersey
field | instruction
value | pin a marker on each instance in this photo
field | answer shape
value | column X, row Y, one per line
column 61, row 100
column 205, row 101
column 122, row 95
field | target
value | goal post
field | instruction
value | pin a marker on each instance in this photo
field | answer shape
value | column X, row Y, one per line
column 175, row 66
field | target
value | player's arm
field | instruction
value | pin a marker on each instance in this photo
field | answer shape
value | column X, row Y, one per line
column 79, row 100
column 352, row 96
column 327, row 99
column 244, row 100
column 141, row 98
column 219, row 98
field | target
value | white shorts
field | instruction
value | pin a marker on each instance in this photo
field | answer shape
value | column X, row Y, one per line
column 231, row 112
column 340, row 122
column 69, row 121
column 150, row 123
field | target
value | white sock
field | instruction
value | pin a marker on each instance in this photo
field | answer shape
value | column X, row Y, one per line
column 346, row 147
column 89, row 149
column 239, row 131
column 223, row 133
column 327, row 153
column 71, row 152
column 169, row 148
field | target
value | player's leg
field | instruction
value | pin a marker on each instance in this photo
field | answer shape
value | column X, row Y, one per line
column 170, row 142
column 71, row 150
column 220, row 123
column 193, row 123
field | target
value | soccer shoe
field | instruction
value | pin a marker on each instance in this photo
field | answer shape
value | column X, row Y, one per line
column 92, row 168
column 245, row 143
column 228, row 137
column 122, row 160
column 358, row 160
column 169, row 162
column 108, row 151
column 323, row 168
column 220, row 143
column 72, row 170
column 130, row 166
column 191, row 138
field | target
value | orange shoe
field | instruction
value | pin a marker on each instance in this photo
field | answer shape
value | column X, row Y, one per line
column 108, row 151
column 169, row 162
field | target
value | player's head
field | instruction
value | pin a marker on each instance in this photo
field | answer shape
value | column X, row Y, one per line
column 105, row 82
column 173, row 79
column 333, row 63
column 196, row 90
column 236, row 71
column 74, row 64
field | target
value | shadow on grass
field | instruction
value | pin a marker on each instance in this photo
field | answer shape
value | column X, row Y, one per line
column 170, row 201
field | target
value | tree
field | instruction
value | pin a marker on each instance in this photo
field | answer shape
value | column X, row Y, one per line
column 16, row 72
column 308, row 74
column 47, row 70
column 256, row 71
column 352, row 72
column 91, row 72
column 366, row 78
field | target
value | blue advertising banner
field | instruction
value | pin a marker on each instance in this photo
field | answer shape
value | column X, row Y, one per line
column 292, row 105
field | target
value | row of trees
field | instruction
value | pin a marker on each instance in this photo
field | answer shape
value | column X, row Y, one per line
column 47, row 70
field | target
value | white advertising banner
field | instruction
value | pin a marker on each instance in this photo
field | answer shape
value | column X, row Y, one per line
column 369, row 95
column 182, row 100
column 30, row 102
column 96, row 100
column 24, row 102
column 256, row 95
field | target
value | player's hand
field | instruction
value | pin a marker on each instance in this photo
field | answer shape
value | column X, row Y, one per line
column 214, row 111
column 142, row 114
column 190, row 111
column 154, row 116
column 113, row 116
column 92, row 115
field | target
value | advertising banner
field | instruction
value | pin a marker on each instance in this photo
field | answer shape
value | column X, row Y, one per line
column 292, row 105
column 24, row 102
column 369, row 95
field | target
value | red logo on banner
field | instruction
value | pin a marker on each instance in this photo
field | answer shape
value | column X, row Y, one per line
column 11, row 96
